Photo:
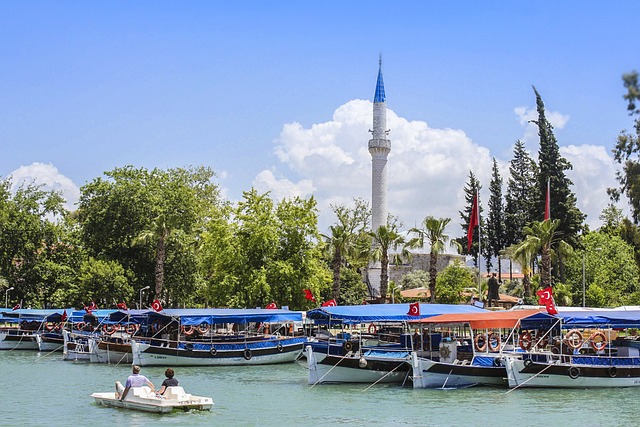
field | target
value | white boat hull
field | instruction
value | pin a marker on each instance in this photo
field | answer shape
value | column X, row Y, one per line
column 428, row 373
column 48, row 345
column 556, row 374
column 21, row 341
column 330, row 369
column 143, row 399
column 103, row 352
column 146, row 355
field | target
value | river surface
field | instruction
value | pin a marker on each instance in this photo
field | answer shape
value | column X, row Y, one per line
column 41, row 389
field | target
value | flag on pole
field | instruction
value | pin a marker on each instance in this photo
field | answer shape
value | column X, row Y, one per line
column 414, row 309
column 272, row 305
column 18, row 306
column 545, row 297
column 308, row 295
column 156, row 306
column 64, row 315
column 547, row 202
column 473, row 221
column 122, row 306
column 330, row 303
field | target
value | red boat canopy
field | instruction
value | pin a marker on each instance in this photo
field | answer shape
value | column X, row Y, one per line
column 484, row 320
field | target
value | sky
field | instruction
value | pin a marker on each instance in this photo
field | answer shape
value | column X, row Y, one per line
column 278, row 95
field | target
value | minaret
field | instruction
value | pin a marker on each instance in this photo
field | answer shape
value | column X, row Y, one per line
column 379, row 147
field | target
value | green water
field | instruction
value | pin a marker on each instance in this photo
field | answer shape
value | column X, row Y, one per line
column 43, row 390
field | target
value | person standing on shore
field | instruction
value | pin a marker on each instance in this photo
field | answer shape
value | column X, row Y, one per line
column 492, row 295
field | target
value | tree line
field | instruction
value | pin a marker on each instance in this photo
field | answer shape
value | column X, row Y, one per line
column 141, row 234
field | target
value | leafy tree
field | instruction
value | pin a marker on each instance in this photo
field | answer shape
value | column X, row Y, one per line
column 433, row 232
column 104, row 282
column 610, row 273
column 387, row 238
column 627, row 149
column 452, row 281
column 415, row 279
column 495, row 223
column 552, row 168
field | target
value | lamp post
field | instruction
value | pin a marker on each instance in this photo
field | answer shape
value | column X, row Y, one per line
column 143, row 289
column 6, row 296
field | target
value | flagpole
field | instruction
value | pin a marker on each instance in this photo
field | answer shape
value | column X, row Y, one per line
column 479, row 240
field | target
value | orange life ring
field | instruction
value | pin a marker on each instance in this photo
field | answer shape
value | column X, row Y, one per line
column 476, row 342
column 526, row 341
column 494, row 341
column 598, row 345
column 188, row 329
column 109, row 329
column 49, row 326
column 373, row 328
column 203, row 328
column 131, row 328
column 80, row 326
column 574, row 339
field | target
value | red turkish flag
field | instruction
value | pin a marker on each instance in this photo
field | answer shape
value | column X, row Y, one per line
column 414, row 309
column 330, row 303
column 18, row 306
column 156, row 305
column 474, row 221
column 122, row 306
column 545, row 295
column 272, row 305
column 64, row 315
column 309, row 295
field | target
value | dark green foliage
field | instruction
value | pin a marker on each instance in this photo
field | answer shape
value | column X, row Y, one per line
column 495, row 222
column 471, row 188
column 521, row 194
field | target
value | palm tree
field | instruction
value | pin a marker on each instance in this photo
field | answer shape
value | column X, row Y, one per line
column 432, row 231
column 384, row 239
column 339, row 244
column 159, row 233
column 542, row 237
column 523, row 255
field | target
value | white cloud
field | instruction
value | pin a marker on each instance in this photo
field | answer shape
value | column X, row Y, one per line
column 428, row 167
column 50, row 178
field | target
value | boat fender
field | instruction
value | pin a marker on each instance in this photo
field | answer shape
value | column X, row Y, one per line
column 574, row 372
column 247, row 353
column 598, row 345
column 612, row 371
column 362, row 362
column 480, row 342
column 528, row 362
column 525, row 340
column 213, row 351
column 497, row 362
column 347, row 347
column 373, row 328
column 280, row 347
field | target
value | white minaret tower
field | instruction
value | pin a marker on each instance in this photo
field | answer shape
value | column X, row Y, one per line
column 379, row 147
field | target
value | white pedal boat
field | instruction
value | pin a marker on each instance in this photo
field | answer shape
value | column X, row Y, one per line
column 143, row 399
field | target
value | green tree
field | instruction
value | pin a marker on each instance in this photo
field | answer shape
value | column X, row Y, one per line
column 495, row 222
column 415, row 279
column 104, row 282
column 472, row 187
column 432, row 232
column 552, row 168
column 452, row 281
column 627, row 150
column 387, row 238
column 523, row 253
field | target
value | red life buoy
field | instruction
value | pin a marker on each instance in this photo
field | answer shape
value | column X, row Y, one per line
column 494, row 341
column 598, row 345
column 109, row 329
column 525, row 341
column 131, row 328
column 49, row 326
column 573, row 339
column 373, row 328
column 188, row 329
column 80, row 326
column 203, row 328
column 480, row 342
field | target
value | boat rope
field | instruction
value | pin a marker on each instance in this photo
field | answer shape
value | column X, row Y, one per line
column 447, row 379
column 49, row 354
column 528, row 379
column 122, row 358
column 327, row 373
column 384, row 376
column 19, row 341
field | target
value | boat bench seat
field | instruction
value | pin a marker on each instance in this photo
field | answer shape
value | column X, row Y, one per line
column 143, row 391
column 176, row 393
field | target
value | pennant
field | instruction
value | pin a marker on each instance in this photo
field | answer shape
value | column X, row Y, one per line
column 156, row 305
column 64, row 315
column 414, row 309
column 330, row 303
column 547, row 202
column 473, row 222
column 308, row 295
column 122, row 306
column 272, row 305
column 18, row 306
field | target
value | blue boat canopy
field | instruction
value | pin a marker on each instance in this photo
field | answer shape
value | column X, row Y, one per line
column 599, row 318
column 355, row 314
column 212, row 316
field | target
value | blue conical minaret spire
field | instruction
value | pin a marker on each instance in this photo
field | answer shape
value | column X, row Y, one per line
column 379, row 96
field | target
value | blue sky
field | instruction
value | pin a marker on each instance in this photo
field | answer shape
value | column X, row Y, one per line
column 277, row 95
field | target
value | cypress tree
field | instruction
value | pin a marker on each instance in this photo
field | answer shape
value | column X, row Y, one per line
column 495, row 221
column 521, row 198
column 471, row 188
